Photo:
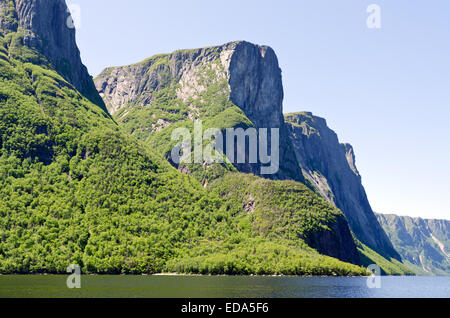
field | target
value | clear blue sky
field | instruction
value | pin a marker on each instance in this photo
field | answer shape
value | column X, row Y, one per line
column 385, row 91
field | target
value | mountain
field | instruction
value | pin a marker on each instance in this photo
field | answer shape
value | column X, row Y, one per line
column 331, row 167
column 234, row 85
column 76, row 189
column 238, row 84
column 423, row 244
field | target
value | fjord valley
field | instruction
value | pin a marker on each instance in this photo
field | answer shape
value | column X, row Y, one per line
column 77, row 189
column 87, row 177
column 239, row 84
column 423, row 244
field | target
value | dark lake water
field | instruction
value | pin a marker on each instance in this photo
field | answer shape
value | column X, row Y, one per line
column 223, row 287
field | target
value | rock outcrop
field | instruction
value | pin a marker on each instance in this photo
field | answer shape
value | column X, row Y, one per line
column 245, row 75
column 257, row 88
column 46, row 28
column 423, row 244
column 146, row 97
column 252, row 82
column 331, row 169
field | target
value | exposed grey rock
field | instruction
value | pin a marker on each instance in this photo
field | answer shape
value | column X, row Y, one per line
column 137, row 84
column 424, row 244
column 257, row 88
column 254, row 85
column 46, row 27
column 330, row 167
column 252, row 73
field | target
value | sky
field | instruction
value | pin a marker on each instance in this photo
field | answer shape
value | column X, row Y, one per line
column 386, row 91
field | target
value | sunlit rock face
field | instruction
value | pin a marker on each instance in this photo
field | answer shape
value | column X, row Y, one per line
column 330, row 166
column 46, row 27
column 253, row 83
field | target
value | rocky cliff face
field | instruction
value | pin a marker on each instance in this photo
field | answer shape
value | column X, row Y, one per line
column 202, row 84
column 53, row 140
column 423, row 244
column 257, row 88
column 330, row 167
column 45, row 27
column 165, row 91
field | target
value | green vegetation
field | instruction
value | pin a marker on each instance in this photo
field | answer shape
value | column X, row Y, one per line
column 423, row 244
column 17, row 49
column 388, row 267
column 75, row 189
column 8, row 15
column 154, row 122
column 293, row 119
column 275, row 209
column 285, row 211
column 261, row 257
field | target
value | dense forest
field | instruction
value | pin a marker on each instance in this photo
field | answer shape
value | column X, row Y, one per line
column 75, row 189
column 78, row 188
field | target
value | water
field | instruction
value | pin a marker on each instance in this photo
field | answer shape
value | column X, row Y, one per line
column 223, row 287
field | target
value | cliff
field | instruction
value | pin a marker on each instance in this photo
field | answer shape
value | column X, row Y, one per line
column 238, row 84
column 331, row 168
column 40, row 32
column 76, row 189
column 423, row 244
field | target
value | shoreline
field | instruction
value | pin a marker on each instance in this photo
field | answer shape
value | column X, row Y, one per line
column 188, row 275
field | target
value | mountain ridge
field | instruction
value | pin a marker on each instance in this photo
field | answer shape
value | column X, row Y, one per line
column 76, row 189
column 249, row 79
column 423, row 243
column 207, row 84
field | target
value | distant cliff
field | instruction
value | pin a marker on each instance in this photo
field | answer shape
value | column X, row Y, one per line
column 423, row 244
